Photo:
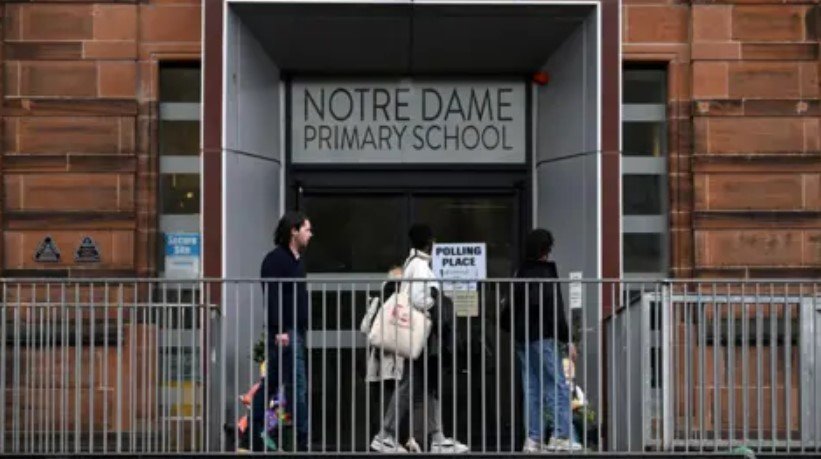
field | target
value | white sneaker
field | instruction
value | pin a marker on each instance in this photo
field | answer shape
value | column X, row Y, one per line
column 412, row 446
column 533, row 446
column 563, row 444
column 386, row 444
column 448, row 446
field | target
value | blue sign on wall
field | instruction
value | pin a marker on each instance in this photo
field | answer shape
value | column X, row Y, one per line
column 182, row 244
column 182, row 255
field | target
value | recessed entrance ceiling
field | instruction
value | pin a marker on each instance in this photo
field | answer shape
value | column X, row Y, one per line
column 410, row 39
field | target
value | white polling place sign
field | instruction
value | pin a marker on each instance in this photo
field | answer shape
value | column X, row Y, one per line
column 182, row 255
column 465, row 260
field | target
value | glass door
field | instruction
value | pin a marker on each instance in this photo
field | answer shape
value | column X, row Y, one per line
column 474, row 217
column 366, row 232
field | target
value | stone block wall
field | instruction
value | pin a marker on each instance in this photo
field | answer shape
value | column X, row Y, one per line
column 745, row 146
column 79, row 129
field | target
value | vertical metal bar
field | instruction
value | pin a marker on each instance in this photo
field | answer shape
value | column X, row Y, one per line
column 512, row 377
column 78, row 364
column 132, row 368
column 773, row 366
column 324, row 362
column 469, row 384
column 353, row 366
column 144, row 373
column 702, row 325
column 142, row 377
column 207, row 377
column 16, row 378
column 30, row 351
column 498, row 372
column 151, row 398
column 63, row 369
column 91, row 371
column 28, row 404
column 39, row 374
column 613, row 400
column 600, row 370
column 801, row 336
column 672, row 382
column 745, row 354
column 51, row 383
column 525, row 310
column 271, row 334
column 731, row 365
column 584, row 348
column 41, row 364
column 483, row 348
column 572, row 364
column 440, row 360
column 455, row 396
column 106, row 384
column 367, row 359
column 628, row 340
column 294, row 293
column 687, row 372
column 410, row 369
column 309, row 356
column 787, row 366
column 119, row 421
column 759, row 379
column 3, row 345
column 195, row 362
column 338, row 367
column 166, row 373
column 716, row 384
column 813, row 307
column 381, row 356
column 237, row 334
column 178, row 328
column 254, row 366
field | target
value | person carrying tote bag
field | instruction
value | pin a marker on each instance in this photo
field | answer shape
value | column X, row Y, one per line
column 422, row 297
column 399, row 327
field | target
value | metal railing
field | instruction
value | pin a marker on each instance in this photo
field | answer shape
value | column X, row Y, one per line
column 170, row 366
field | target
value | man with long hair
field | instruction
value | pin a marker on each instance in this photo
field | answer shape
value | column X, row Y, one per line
column 287, row 319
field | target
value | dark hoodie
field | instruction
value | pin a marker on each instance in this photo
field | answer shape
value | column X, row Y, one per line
column 531, row 324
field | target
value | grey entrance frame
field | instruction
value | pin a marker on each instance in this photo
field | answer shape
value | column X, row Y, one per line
column 249, row 45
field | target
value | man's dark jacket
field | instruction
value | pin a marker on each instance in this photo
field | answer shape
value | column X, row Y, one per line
column 287, row 301
column 537, row 307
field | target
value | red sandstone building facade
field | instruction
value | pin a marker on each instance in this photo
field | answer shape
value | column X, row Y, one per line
column 117, row 127
column 81, row 129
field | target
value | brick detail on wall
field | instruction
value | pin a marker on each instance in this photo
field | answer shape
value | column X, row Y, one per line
column 78, row 85
column 753, row 140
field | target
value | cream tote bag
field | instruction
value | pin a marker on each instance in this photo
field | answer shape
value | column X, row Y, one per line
column 399, row 327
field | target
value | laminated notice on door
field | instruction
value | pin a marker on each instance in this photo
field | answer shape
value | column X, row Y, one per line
column 461, row 265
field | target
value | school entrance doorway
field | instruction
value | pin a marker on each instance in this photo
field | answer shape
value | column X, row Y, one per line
column 371, row 116
column 361, row 219
column 364, row 230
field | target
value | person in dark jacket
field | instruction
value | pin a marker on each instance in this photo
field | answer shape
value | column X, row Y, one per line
column 287, row 320
column 541, row 333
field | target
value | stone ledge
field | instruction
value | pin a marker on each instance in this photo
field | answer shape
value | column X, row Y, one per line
column 756, row 219
column 756, row 107
column 69, row 107
column 61, row 220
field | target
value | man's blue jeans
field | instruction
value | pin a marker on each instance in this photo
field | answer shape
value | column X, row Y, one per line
column 290, row 360
column 545, row 390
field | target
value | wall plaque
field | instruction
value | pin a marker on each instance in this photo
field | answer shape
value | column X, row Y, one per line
column 87, row 252
column 47, row 251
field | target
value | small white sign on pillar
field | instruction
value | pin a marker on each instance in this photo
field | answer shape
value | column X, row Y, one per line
column 576, row 291
column 467, row 260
